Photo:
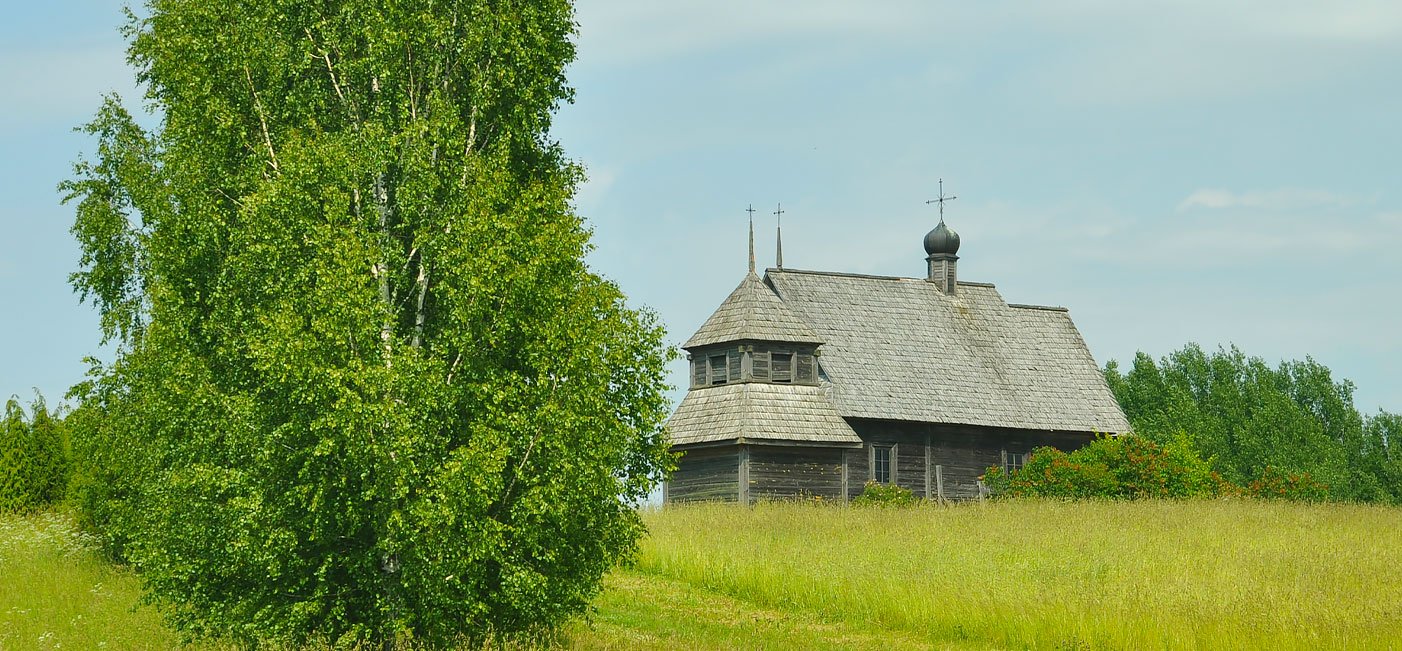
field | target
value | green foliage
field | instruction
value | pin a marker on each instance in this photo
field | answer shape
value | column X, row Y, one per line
column 367, row 388
column 1247, row 417
column 878, row 494
column 15, row 495
column 33, row 457
column 1112, row 467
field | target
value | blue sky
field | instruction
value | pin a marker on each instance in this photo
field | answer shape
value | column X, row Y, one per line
column 1170, row 171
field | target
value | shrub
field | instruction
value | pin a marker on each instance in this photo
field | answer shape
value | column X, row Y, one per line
column 1277, row 484
column 1113, row 467
column 879, row 494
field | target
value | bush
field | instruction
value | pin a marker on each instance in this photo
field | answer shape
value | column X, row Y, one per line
column 1113, row 467
column 1277, row 484
column 879, row 494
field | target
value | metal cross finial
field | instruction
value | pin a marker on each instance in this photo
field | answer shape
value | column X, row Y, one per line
column 779, row 237
column 941, row 200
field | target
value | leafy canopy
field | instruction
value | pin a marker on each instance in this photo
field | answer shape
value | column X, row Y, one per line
column 1257, row 423
column 366, row 386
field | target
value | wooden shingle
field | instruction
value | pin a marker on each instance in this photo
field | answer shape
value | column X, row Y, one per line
column 752, row 312
column 901, row 349
column 759, row 412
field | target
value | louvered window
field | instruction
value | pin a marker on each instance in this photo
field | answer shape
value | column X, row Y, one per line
column 719, row 373
column 698, row 372
column 760, row 366
column 803, row 372
column 782, row 367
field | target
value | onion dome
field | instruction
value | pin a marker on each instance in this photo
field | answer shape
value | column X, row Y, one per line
column 942, row 240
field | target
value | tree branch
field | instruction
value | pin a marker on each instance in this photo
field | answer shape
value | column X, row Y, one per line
column 262, row 118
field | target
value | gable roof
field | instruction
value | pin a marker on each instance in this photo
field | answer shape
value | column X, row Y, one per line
column 752, row 311
column 901, row 349
column 776, row 412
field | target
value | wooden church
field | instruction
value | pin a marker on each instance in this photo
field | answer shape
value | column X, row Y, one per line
column 812, row 383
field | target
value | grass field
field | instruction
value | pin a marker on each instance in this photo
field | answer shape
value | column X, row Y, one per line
column 1235, row 574
column 55, row 593
column 1008, row 575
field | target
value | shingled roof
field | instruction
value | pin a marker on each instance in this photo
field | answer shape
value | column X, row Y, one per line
column 752, row 312
column 759, row 411
column 901, row 349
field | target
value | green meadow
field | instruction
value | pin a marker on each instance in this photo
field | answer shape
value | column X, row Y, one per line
column 56, row 593
column 1220, row 574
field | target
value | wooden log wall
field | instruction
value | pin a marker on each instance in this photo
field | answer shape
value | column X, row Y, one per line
column 963, row 452
column 785, row 472
column 858, row 470
column 706, row 474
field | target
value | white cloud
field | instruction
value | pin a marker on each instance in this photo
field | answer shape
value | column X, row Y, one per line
column 1084, row 53
column 1282, row 199
column 614, row 31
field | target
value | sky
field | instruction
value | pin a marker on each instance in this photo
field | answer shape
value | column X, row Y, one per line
column 1172, row 172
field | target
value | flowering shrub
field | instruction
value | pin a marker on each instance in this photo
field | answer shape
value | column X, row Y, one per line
column 1277, row 484
column 1113, row 467
column 879, row 494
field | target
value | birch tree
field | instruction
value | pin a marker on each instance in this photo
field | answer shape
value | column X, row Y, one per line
column 366, row 387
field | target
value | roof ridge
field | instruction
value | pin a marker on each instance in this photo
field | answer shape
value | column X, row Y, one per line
column 1049, row 308
column 848, row 274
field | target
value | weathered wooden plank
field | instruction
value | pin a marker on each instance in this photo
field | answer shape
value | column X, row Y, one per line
column 785, row 472
column 705, row 474
column 743, row 481
column 958, row 454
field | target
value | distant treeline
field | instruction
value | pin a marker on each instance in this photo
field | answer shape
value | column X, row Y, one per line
column 1223, row 422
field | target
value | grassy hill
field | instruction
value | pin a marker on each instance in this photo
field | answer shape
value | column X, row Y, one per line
column 1233, row 574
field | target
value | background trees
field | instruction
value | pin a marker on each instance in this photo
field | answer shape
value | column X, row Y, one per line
column 366, row 386
column 1246, row 417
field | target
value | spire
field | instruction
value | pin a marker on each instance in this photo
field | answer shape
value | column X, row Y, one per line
column 779, row 238
column 751, row 210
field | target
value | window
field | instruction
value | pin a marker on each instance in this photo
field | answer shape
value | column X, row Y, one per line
column 759, row 366
column 782, row 367
column 803, row 372
column 881, row 464
column 1013, row 461
column 719, row 373
column 698, row 372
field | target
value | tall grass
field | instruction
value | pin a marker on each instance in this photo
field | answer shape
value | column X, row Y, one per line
column 1023, row 574
column 55, row 592
column 1233, row 574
